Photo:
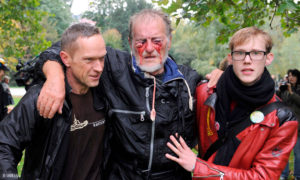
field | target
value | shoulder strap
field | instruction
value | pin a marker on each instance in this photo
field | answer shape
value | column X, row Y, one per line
column 240, row 127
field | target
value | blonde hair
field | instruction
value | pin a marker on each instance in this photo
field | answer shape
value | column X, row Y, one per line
column 244, row 34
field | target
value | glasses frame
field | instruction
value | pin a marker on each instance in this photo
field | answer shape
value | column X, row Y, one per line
column 247, row 53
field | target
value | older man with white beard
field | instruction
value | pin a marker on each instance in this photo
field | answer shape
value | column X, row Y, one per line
column 149, row 96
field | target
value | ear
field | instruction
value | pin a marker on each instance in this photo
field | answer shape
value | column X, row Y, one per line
column 229, row 59
column 65, row 57
column 270, row 57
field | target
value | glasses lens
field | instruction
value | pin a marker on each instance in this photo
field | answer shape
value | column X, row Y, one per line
column 238, row 55
column 257, row 55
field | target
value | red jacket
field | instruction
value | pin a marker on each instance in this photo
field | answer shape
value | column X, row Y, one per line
column 264, row 149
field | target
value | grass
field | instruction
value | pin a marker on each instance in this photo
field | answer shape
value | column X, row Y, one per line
column 17, row 99
column 291, row 166
column 20, row 165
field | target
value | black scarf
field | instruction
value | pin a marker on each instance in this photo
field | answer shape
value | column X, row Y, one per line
column 247, row 98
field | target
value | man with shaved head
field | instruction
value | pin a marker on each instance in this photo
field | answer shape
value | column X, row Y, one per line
column 69, row 145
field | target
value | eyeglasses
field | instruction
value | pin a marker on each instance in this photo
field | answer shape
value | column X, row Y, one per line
column 254, row 55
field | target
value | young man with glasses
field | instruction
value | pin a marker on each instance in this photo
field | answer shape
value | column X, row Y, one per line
column 244, row 130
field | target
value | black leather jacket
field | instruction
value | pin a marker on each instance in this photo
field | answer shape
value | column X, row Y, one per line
column 138, row 144
column 45, row 140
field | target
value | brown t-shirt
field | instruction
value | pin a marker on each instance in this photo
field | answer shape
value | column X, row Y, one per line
column 85, row 144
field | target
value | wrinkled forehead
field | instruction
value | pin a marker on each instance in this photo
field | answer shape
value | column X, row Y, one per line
column 146, row 20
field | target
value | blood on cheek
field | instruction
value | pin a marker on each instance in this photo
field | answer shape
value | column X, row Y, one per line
column 157, row 47
column 141, row 48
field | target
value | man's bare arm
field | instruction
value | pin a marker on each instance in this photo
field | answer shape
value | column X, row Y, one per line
column 52, row 95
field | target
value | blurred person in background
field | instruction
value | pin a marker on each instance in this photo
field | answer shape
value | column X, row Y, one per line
column 5, row 83
column 223, row 64
column 289, row 92
column 3, row 109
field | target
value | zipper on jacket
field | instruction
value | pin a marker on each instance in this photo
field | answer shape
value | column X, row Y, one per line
column 221, row 174
column 152, row 131
column 142, row 113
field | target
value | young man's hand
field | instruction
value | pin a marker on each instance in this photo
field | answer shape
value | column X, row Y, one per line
column 186, row 157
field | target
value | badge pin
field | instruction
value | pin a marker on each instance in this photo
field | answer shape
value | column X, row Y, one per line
column 257, row 117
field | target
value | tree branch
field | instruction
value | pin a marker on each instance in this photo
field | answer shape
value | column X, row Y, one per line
column 276, row 5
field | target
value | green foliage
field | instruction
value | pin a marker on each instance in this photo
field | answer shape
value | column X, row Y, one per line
column 59, row 15
column 286, row 52
column 236, row 14
column 196, row 47
column 21, row 34
column 115, row 14
column 51, row 31
column 113, row 38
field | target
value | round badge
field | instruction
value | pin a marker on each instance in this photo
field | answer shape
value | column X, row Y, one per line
column 257, row 117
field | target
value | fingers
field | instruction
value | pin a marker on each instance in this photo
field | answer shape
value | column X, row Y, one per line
column 51, row 109
column 60, row 108
column 176, row 143
column 40, row 104
column 181, row 145
column 51, row 98
column 56, row 106
column 173, row 148
column 45, row 106
column 186, row 157
column 208, row 76
column 214, row 77
column 182, row 142
column 173, row 158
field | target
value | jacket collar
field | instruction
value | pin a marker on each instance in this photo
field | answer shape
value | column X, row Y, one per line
column 211, row 100
column 171, row 70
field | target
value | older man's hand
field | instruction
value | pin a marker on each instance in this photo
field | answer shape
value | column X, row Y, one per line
column 52, row 94
column 213, row 77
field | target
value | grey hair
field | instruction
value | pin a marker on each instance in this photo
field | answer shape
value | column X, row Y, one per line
column 75, row 31
column 146, row 13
